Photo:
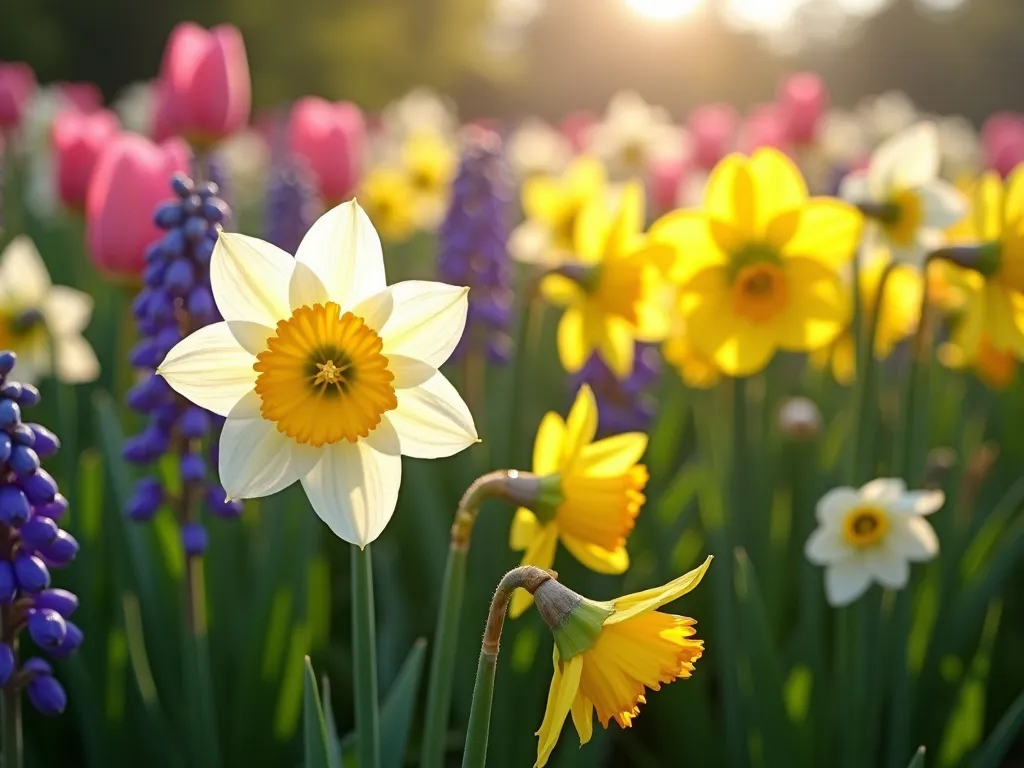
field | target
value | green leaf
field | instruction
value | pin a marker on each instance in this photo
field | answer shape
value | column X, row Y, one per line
column 333, row 742
column 1002, row 737
column 917, row 761
column 316, row 753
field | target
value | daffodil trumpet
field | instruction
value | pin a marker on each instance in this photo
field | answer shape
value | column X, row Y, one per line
column 526, row 577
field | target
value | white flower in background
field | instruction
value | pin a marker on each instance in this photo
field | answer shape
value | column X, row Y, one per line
column 326, row 374
column 632, row 133
column 959, row 147
column 871, row 534
column 421, row 110
column 843, row 139
column 886, row 115
column 34, row 312
column 913, row 206
column 246, row 159
column 41, row 174
column 537, row 148
column 134, row 106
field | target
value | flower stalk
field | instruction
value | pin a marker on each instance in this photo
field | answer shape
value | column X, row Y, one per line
column 527, row 577
column 364, row 651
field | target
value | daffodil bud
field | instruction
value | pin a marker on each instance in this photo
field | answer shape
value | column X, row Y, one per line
column 574, row 620
column 800, row 419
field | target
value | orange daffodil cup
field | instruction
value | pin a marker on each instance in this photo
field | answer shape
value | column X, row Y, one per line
column 758, row 266
column 327, row 375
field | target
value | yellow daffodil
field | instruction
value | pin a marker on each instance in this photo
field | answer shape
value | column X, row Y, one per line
column 758, row 265
column 897, row 319
column 387, row 198
column 994, row 307
column 614, row 290
column 696, row 369
column 996, row 369
column 609, row 654
column 41, row 322
column 552, row 207
column 325, row 373
column 590, row 494
column 430, row 162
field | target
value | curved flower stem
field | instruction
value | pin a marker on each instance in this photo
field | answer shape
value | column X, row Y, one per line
column 442, row 663
column 364, row 651
column 528, row 577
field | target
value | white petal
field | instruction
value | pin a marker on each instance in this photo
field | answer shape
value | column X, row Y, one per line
column 909, row 159
column 257, row 459
column 23, row 276
column 836, row 503
column 432, row 420
column 305, row 288
column 884, row 490
column 426, row 321
column 342, row 248
column 944, row 205
column 251, row 336
column 67, row 310
column 888, row 567
column 210, row 368
column 250, row 279
column 854, row 187
column 913, row 538
column 826, row 545
column 846, row 581
column 918, row 503
column 76, row 361
column 354, row 487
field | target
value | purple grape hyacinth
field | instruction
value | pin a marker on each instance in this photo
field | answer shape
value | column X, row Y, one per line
column 623, row 405
column 473, row 244
column 292, row 203
column 31, row 544
column 175, row 301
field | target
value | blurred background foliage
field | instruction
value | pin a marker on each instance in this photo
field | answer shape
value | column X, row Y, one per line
column 505, row 58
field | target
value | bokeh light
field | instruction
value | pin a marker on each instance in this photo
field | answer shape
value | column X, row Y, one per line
column 664, row 10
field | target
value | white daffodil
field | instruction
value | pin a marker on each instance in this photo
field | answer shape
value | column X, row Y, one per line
column 34, row 313
column 872, row 534
column 887, row 114
column 632, row 133
column 325, row 373
column 421, row 110
column 910, row 206
column 538, row 149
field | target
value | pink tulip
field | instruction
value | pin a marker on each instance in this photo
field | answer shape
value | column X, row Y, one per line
column 85, row 97
column 78, row 141
column 803, row 99
column 713, row 133
column 1002, row 141
column 131, row 177
column 330, row 137
column 576, row 127
column 17, row 85
column 667, row 176
column 203, row 91
column 765, row 127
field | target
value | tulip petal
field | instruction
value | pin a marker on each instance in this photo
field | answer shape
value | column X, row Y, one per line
column 250, row 279
column 210, row 368
column 342, row 248
column 432, row 420
column 426, row 321
column 354, row 487
column 256, row 459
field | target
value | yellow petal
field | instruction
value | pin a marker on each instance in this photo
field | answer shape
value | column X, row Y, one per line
column 585, row 177
column 524, row 530
column 629, row 219
column 564, row 685
column 617, row 345
column 1002, row 319
column 547, row 447
column 815, row 312
column 597, row 559
column 729, row 196
column 844, row 367
column 574, row 341
column 987, row 207
column 593, row 228
column 689, row 234
column 1013, row 207
column 583, row 717
column 543, row 199
column 828, row 231
column 540, row 553
column 778, row 185
column 651, row 599
column 580, row 427
column 613, row 455
column 560, row 291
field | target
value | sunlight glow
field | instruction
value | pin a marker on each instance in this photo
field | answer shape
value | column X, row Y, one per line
column 664, row 10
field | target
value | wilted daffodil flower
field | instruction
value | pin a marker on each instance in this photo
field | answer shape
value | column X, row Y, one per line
column 589, row 494
column 902, row 194
column 758, row 265
column 325, row 373
column 608, row 654
column 872, row 534
column 614, row 289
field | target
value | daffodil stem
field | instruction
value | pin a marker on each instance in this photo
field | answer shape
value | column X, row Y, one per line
column 442, row 662
column 905, row 468
column 527, row 577
column 739, row 515
column 865, row 407
column 529, row 316
column 364, row 651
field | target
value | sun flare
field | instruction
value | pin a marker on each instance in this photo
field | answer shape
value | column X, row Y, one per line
column 664, row 10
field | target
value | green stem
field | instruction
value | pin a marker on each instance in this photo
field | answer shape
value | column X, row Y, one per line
column 364, row 649
column 528, row 577
column 529, row 314
column 12, row 747
column 905, row 467
column 739, row 476
column 442, row 662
